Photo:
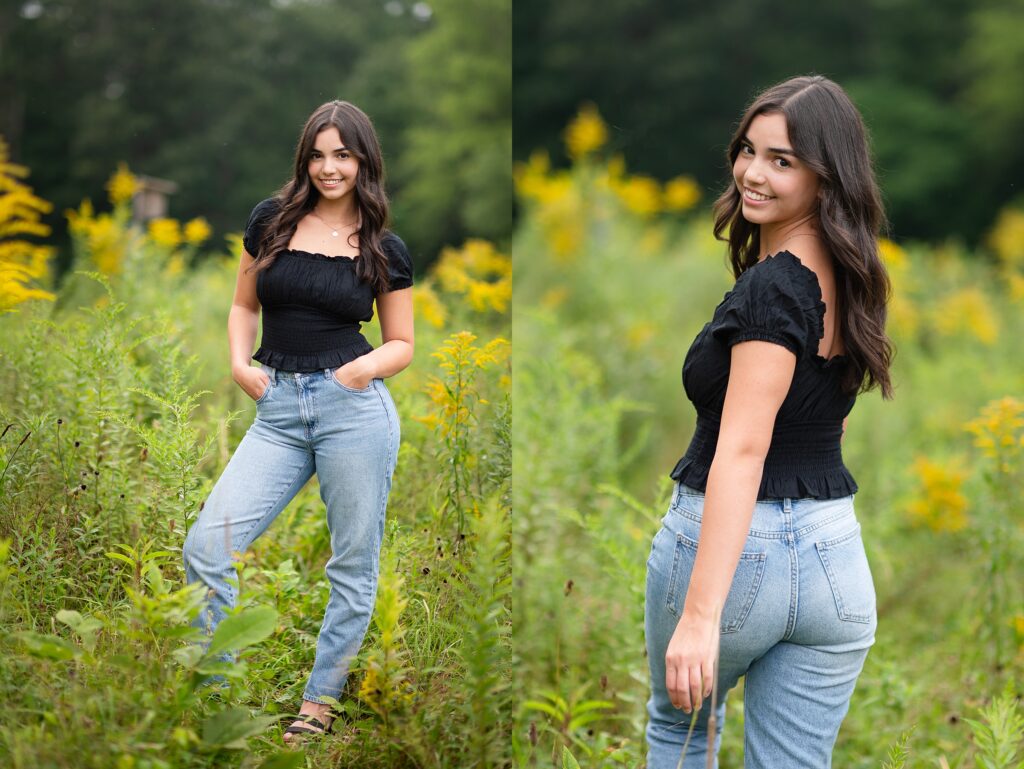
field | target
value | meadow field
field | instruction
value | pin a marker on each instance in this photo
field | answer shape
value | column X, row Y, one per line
column 118, row 412
column 614, row 276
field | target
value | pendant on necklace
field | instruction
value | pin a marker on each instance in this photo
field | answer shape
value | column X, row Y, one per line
column 334, row 233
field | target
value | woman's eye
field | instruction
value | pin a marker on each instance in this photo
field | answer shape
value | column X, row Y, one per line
column 784, row 163
column 746, row 149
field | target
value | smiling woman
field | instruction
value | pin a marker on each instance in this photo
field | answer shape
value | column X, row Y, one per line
column 317, row 258
column 758, row 569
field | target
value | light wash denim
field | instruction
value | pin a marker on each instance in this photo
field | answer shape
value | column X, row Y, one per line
column 306, row 423
column 797, row 624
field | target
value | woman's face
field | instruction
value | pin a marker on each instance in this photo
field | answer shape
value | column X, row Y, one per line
column 332, row 166
column 776, row 188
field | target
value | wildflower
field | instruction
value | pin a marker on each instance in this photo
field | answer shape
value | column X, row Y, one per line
column 102, row 237
column 479, row 272
column 122, row 185
column 586, row 133
column 165, row 232
column 20, row 260
column 1007, row 237
column 999, row 432
column 640, row 194
column 967, row 309
column 941, row 506
column 428, row 305
column 681, row 193
column 196, row 231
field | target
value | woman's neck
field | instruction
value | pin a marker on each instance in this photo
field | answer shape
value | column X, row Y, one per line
column 775, row 238
column 338, row 211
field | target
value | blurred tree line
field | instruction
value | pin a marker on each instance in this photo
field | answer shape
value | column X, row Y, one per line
column 938, row 83
column 212, row 95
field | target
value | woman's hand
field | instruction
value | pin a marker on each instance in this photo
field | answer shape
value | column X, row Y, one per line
column 690, row 661
column 253, row 380
column 355, row 374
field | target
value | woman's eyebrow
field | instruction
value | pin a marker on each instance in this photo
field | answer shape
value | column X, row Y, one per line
column 338, row 149
column 775, row 150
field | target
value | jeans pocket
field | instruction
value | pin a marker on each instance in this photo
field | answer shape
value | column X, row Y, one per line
column 746, row 582
column 846, row 566
column 268, row 388
column 346, row 388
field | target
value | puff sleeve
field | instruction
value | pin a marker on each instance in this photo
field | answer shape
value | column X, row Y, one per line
column 260, row 217
column 771, row 302
column 399, row 262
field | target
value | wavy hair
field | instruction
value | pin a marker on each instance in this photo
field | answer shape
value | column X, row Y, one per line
column 298, row 196
column 827, row 134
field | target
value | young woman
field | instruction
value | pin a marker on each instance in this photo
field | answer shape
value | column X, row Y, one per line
column 318, row 256
column 759, row 569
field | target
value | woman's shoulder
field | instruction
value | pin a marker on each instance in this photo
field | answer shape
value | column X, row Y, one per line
column 781, row 274
column 265, row 208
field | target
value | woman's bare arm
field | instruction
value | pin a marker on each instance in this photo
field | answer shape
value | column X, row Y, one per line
column 759, row 378
column 243, row 323
column 394, row 309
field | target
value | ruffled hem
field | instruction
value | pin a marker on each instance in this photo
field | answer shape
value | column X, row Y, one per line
column 313, row 362
column 832, row 484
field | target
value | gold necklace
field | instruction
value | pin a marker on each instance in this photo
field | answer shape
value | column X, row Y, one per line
column 331, row 227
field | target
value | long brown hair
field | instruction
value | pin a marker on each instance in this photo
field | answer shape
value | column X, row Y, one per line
column 298, row 196
column 826, row 133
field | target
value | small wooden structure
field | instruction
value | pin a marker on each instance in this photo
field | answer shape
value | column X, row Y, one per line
column 150, row 198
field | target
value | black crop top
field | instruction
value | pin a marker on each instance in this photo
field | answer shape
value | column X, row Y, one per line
column 313, row 304
column 777, row 300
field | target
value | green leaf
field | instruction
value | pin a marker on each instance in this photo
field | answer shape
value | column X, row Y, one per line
column 241, row 630
column 568, row 761
column 231, row 727
column 47, row 646
column 287, row 760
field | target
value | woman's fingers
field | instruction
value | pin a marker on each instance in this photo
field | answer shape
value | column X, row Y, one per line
column 689, row 685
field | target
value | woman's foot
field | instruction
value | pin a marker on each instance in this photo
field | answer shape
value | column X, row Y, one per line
column 318, row 711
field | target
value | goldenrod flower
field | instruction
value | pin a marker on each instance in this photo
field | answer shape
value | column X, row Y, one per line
column 122, row 185
column 1007, row 237
column 478, row 271
column 640, row 194
column 941, row 505
column 681, row 193
column 103, row 239
column 428, row 306
column 999, row 432
column 968, row 309
column 20, row 260
column 197, row 231
column 586, row 133
column 165, row 232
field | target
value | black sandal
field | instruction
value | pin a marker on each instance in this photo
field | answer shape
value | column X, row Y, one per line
column 312, row 721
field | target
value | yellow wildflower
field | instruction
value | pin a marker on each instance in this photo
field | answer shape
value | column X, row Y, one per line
column 941, row 506
column 20, row 260
column 102, row 238
column 999, row 432
column 478, row 271
column 122, row 185
column 967, row 309
column 586, row 133
column 197, row 231
column 892, row 255
column 165, row 232
column 640, row 194
column 427, row 305
column 681, row 193
column 1007, row 237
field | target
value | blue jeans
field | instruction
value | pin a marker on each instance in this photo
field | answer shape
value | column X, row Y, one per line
column 797, row 624
column 306, row 423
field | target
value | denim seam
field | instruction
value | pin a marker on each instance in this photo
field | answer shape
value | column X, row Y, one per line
column 823, row 548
